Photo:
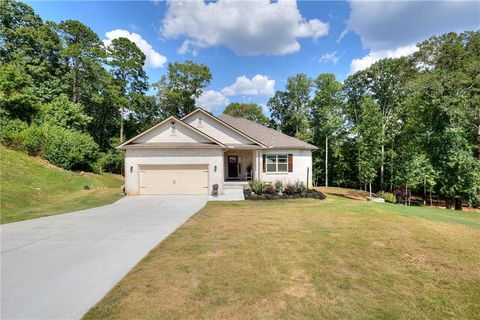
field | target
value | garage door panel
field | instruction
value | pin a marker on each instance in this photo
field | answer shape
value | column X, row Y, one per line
column 174, row 179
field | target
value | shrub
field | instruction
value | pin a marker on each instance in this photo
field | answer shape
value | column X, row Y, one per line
column 69, row 149
column 294, row 188
column 256, row 186
column 389, row 197
column 11, row 132
column 279, row 186
column 269, row 189
column 34, row 138
column 63, row 113
column 111, row 161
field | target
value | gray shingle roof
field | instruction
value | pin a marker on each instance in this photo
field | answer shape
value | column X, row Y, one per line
column 269, row 137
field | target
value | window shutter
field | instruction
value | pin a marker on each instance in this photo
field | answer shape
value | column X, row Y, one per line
column 290, row 162
column 264, row 163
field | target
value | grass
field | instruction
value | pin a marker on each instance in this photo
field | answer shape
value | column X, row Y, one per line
column 307, row 259
column 32, row 188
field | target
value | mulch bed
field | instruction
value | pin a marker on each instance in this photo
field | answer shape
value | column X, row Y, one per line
column 312, row 194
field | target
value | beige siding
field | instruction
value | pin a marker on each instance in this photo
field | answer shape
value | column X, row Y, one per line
column 216, row 130
column 164, row 133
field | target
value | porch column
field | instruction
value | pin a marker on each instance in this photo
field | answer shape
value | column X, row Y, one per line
column 257, row 164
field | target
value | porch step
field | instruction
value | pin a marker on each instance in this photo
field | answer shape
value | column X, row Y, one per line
column 235, row 185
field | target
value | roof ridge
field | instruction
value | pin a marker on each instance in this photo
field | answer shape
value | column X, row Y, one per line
column 267, row 128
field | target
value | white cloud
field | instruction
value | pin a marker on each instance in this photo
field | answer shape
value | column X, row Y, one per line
column 374, row 56
column 388, row 25
column 329, row 57
column 153, row 58
column 390, row 29
column 246, row 27
column 211, row 100
column 259, row 85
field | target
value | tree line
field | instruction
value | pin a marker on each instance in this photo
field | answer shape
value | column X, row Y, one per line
column 411, row 123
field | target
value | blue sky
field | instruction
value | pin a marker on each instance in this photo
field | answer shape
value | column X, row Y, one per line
column 253, row 47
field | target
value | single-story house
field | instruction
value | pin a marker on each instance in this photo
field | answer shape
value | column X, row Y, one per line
column 190, row 155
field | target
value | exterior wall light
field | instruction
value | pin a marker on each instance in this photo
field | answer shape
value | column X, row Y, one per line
column 131, row 169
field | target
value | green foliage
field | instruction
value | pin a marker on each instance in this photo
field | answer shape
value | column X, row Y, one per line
column 388, row 196
column 126, row 61
column 63, row 113
column 289, row 108
column 112, row 160
column 11, row 132
column 294, row 188
column 81, row 52
column 250, row 111
column 327, row 126
column 256, row 186
column 181, row 86
column 369, row 140
column 69, row 149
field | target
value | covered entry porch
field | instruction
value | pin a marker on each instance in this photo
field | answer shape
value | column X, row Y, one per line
column 241, row 164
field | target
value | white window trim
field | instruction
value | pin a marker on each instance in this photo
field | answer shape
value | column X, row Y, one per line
column 276, row 163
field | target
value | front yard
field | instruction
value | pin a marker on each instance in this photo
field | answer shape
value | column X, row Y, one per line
column 289, row 259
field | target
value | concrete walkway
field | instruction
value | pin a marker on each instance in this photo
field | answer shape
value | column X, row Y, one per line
column 58, row 267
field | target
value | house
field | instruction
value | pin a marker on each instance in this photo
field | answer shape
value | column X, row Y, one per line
column 190, row 155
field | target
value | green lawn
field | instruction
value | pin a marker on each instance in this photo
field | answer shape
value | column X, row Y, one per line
column 32, row 188
column 307, row 259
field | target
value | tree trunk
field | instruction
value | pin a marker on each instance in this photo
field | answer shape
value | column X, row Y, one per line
column 458, row 203
column 74, row 84
column 448, row 203
column 121, row 124
column 381, row 167
column 370, row 188
column 406, row 195
column 326, row 161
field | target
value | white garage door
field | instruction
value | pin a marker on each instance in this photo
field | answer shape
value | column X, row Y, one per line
column 174, row 179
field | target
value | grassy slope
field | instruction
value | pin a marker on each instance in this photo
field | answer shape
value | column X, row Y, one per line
column 307, row 259
column 32, row 188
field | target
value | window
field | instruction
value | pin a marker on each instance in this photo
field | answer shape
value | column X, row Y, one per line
column 277, row 162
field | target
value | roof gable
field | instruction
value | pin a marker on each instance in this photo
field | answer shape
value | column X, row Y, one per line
column 221, row 131
column 171, row 132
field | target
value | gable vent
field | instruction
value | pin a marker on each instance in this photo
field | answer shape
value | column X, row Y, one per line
column 173, row 129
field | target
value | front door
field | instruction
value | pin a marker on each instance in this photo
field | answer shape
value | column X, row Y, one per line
column 232, row 166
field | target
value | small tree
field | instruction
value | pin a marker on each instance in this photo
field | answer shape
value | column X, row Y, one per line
column 369, row 142
column 326, row 113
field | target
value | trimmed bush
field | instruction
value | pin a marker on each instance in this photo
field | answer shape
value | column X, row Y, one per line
column 294, row 188
column 389, row 197
column 256, row 186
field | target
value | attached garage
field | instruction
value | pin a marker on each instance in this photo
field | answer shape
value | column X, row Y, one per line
column 174, row 179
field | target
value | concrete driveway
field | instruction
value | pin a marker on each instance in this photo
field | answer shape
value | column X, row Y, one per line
column 58, row 267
